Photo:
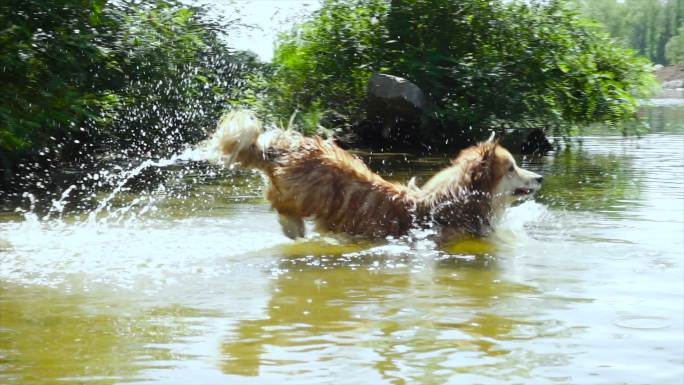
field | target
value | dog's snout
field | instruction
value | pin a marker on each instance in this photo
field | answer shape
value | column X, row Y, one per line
column 540, row 179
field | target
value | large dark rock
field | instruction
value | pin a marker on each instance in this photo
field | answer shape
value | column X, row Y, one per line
column 527, row 142
column 536, row 143
column 398, row 111
column 395, row 95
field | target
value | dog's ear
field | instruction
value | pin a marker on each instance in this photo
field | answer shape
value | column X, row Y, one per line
column 488, row 150
column 412, row 184
column 492, row 139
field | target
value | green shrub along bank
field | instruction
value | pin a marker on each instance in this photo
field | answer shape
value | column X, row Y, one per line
column 484, row 64
column 674, row 50
column 142, row 78
column 83, row 75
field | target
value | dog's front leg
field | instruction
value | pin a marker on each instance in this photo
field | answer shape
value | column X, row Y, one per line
column 293, row 227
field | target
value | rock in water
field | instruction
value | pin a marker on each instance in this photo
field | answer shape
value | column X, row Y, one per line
column 536, row 143
column 394, row 94
column 673, row 84
column 399, row 107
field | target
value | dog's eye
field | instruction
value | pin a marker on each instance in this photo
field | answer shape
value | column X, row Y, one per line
column 510, row 169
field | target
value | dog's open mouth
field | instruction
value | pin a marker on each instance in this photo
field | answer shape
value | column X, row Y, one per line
column 523, row 191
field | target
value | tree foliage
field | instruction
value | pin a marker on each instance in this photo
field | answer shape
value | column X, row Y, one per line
column 322, row 66
column 483, row 63
column 176, row 75
column 48, row 67
column 79, row 75
column 674, row 50
column 643, row 25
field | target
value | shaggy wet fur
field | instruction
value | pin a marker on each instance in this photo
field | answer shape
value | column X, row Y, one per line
column 314, row 178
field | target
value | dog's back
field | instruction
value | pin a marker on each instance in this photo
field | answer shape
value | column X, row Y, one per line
column 322, row 181
column 313, row 178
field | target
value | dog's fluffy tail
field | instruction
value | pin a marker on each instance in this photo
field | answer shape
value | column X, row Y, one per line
column 237, row 139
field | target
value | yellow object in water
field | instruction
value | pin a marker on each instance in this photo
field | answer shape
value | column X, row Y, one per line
column 321, row 247
column 472, row 246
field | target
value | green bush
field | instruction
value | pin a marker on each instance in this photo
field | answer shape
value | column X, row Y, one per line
column 82, row 75
column 674, row 50
column 48, row 69
column 484, row 63
column 176, row 77
column 643, row 25
column 322, row 66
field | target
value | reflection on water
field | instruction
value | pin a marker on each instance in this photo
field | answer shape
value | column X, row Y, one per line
column 389, row 325
column 52, row 337
column 583, row 285
column 603, row 183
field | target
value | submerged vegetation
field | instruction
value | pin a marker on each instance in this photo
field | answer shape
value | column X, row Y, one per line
column 142, row 78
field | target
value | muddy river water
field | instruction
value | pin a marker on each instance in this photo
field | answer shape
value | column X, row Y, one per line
column 192, row 282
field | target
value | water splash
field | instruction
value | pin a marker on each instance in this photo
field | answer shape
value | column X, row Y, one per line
column 120, row 245
column 132, row 239
column 196, row 154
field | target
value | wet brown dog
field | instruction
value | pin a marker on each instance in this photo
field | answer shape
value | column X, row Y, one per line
column 313, row 178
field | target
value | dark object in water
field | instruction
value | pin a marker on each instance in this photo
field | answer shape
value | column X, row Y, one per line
column 394, row 97
column 536, row 143
column 397, row 112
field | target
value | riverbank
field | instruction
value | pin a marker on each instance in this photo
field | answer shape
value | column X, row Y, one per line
column 668, row 73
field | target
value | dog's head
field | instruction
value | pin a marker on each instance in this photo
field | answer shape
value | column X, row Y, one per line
column 494, row 171
column 482, row 181
column 514, row 183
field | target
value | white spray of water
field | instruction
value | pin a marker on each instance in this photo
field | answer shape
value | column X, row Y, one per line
column 190, row 154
